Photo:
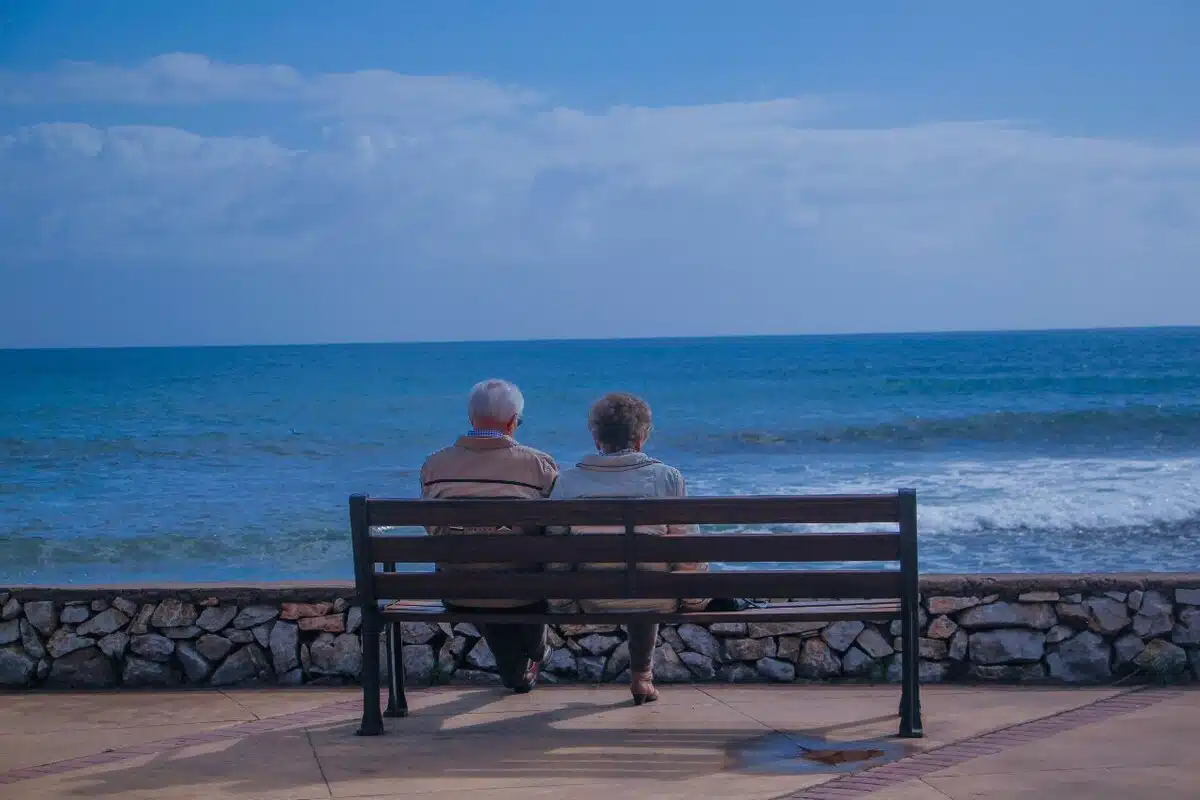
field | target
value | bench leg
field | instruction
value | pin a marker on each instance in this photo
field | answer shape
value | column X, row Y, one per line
column 372, row 720
column 910, row 677
column 397, row 705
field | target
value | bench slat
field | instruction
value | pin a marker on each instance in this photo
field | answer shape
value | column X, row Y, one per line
column 603, row 585
column 603, row 547
column 831, row 509
column 821, row 611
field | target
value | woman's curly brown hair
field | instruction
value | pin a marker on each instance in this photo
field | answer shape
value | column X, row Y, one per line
column 618, row 419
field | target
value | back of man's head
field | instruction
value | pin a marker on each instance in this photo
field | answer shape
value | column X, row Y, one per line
column 495, row 405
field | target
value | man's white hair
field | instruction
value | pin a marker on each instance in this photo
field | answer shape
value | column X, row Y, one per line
column 495, row 400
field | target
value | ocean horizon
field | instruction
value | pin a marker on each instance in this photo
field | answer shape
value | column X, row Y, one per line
column 1031, row 451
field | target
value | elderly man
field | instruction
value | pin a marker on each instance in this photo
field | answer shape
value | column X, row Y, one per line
column 488, row 462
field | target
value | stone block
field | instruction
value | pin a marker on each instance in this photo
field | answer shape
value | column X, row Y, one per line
column 416, row 632
column 213, row 647
column 82, row 669
column 1006, row 646
column 336, row 655
column 142, row 672
column 699, row 640
column 126, row 607
column 933, row 649
column 254, row 615
column 1156, row 602
column 1073, row 614
column 941, row 628
column 331, row 623
column 1127, row 648
column 584, row 630
column 214, row 619
column 481, row 656
column 11, row 609
column 10, row 632
column 295, row 611
column 284, row 643
column 104, row 623
column 65, row 641
column 1007, row 673
column 1147, row 626
column 1085, row 658
column 727, row 629
column 195, row 666
column 668, row 667
column 1059, row 633
column 74, row 613
column 748, row 649
column 950, row 605
column 959, row 645
column 152, row 647
column 618, row 661
column 597, row 644
column 761, row 630
column 1187, row 597
column 17, row 668
column 701, row 666
column 244, row 665
column 141, row 623
column 590, row 669
column 114, row 645
column 41, row 615
column 1106, row 615
column 857, row 663
column 817, row 660
column 1187, row 630
column 561, row 662
column 1039, row 616
column 1038, row 597
column 418, row 663
column 840, row 635
column 873, row 643
column 777, row 671
column 933, row 671
column 31, row 641
column 1162, row 659
column 186, row 632
column 738, row 673
column 173, row 613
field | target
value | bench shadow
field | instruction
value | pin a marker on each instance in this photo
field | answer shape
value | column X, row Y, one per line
column 459, row 743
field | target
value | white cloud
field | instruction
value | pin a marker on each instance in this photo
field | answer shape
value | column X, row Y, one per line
column 735, row 217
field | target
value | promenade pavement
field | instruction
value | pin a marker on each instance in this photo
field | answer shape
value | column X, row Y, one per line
column 704, row 741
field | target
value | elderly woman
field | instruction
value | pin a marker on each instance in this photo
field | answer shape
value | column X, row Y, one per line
column 620, row 425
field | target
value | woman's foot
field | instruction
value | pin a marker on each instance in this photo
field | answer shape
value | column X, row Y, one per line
column 641, row 686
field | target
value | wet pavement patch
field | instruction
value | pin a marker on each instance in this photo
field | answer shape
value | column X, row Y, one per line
column 783, row 754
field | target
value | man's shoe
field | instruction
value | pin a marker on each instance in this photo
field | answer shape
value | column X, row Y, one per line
column 724, row 604
column 528, row 679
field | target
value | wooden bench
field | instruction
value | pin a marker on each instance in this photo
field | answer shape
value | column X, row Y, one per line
column 388, row 596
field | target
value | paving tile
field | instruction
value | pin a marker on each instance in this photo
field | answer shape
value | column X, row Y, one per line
column 1162, row 734
column 1176, row 782
column 22, row 750
column 46, row 712
column 277, row 766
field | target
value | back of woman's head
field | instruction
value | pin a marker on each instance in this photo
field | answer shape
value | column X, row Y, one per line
column 619, row 421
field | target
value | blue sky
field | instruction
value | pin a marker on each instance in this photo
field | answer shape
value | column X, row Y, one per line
column 227, row 172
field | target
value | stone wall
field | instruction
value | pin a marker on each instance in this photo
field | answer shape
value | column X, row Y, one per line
column 1013, row 628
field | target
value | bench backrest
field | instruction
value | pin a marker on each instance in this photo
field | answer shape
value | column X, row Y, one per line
column 387, row 550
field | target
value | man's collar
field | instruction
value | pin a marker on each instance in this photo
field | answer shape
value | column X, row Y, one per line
column 485, row 434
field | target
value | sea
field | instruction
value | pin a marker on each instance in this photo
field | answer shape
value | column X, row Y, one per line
column 1030, row 452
